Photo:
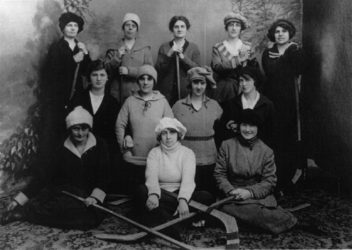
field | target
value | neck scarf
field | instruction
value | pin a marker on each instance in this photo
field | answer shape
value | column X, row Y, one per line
column 249, row 143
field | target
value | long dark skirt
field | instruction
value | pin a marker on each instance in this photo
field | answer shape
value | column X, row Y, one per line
column 54, row 209
column 274, row 220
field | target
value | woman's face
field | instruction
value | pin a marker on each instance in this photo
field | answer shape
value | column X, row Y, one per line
column 146, row 84
column 180, row 29
column 79, row 133
column 247, row 84
column 198, row 87
column 98, row 79
column 71, row 30
column 234, row 29
column 169, row 137
column 248, row 131
column 130, row 29
column 282, row 36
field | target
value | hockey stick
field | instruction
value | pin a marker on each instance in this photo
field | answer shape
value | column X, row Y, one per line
column 144, row 228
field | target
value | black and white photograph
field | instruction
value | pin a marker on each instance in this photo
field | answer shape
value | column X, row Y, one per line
column 175, row 124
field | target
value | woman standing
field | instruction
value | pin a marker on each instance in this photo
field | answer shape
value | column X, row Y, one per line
column 124, row 60
column 199, row 114
column 80, row 166
column 139, row 115
column 178, row 51
column 171, row 167
column 250, row 98
column 282, row 64
column 228, row 56
column 245, row 169
column 66, row 63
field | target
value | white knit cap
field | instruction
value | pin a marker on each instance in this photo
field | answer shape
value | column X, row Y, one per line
column 168, row 122
column 79, row 116
column 131, row 17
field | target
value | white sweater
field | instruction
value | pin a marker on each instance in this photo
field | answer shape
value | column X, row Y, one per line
column 171, row 170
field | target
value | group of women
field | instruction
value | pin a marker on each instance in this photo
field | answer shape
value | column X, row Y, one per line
column 218, row 137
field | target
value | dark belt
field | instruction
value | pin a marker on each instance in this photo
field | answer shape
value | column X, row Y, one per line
column 198, row 138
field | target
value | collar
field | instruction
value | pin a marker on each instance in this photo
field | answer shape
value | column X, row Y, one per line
column 188, row 102
column 249, row 105
column 138, row 44
column 91, row 142
column 238, row 101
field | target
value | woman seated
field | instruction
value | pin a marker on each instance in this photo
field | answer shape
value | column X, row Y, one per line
column 139, row 115
column 246, row 168
column 80, row 167
column 171, row 167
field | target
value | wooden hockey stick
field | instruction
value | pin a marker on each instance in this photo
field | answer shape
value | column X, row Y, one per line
column 140, row 235
column 229, row 221
column 144, row 228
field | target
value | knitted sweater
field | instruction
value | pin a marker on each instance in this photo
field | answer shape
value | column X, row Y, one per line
column 171, row 169
column 200, row 127
column 142, row 117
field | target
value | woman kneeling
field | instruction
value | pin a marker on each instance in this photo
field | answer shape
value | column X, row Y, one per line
column 246, row 169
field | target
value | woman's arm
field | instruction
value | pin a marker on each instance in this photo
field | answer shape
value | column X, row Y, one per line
column 187, row 176
column 103, row 177
column 152, row 172
column 167, row 110
column 221, row 171
column 163, row 62
column 218, row 65
column 121, row 124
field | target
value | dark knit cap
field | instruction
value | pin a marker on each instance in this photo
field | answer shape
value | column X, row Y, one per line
column 252, row 72
column 249, row 116
column 284, row 24
column 67, row 17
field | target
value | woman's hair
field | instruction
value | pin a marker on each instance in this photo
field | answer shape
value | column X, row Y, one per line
column 253, row 73
column 189, row 86
column 174, row 19
column 95, row 66
column 82, row 125
column 283, row 23
column 179, row 136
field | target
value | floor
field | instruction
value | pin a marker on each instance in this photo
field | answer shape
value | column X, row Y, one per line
column 326, row 223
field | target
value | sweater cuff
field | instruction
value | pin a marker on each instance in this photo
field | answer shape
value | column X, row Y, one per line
column 21, row 198
column 98, row 194
column 157, row 195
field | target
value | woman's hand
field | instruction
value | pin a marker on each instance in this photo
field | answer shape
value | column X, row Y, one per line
column 241, row 194
column 152, row 202
column 82, row 47
column 12, row 205
column 90, row 201
column 182, row 208
column 244, row 54
column 78, row 57
column 231, row 125
column 122, row 51
column 175, row 49
column 123, row 70
column 128, row 142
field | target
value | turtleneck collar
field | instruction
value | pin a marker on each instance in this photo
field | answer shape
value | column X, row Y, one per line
column 249, row 143
column 169, row 150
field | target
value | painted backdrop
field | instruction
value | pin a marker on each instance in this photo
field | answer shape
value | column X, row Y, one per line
column 28, row 28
